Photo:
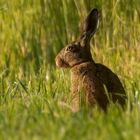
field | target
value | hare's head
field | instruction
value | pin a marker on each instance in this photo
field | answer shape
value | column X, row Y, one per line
column 79, row 51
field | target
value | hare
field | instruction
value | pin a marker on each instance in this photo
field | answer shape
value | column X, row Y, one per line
column 93, row 78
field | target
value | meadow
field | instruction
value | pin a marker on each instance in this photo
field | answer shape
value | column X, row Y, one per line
column 31, row 87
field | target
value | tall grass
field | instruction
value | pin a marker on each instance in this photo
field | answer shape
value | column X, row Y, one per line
column 32, row 88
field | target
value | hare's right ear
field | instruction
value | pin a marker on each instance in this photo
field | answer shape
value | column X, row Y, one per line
column 89, row 27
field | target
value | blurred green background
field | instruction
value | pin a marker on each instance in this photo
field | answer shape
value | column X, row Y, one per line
column 31, row 88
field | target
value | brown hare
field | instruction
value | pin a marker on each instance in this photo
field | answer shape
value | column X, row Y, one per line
column 93, row 78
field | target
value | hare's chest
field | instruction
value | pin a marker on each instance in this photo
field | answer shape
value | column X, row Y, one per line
column 75, row 83
column 78, row 74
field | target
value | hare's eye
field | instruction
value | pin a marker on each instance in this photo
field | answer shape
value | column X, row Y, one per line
column 72, row 48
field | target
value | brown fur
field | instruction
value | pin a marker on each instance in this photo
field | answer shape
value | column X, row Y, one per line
column 87, row 75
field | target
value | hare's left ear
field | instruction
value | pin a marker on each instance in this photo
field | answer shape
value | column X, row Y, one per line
column 88, row 28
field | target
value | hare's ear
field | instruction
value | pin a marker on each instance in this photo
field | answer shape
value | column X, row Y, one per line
column 89, row 27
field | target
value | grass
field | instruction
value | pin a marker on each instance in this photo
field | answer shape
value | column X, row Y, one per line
column 31, row 87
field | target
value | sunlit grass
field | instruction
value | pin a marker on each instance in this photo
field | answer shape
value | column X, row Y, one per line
column 32, row 89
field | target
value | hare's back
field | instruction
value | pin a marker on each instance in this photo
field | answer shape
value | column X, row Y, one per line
column 112, row 83
column 110, row 79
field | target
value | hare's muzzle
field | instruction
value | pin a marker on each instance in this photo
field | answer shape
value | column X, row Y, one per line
column 60, row 62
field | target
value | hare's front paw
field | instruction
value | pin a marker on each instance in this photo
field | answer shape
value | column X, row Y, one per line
column 75, row 106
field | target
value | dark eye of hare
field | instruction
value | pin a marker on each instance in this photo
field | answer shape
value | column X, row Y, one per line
column 72, row 48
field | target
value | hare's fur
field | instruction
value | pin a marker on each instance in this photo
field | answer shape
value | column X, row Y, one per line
column 87, row 75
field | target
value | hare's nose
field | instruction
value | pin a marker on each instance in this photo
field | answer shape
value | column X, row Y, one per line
column 58, row 61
